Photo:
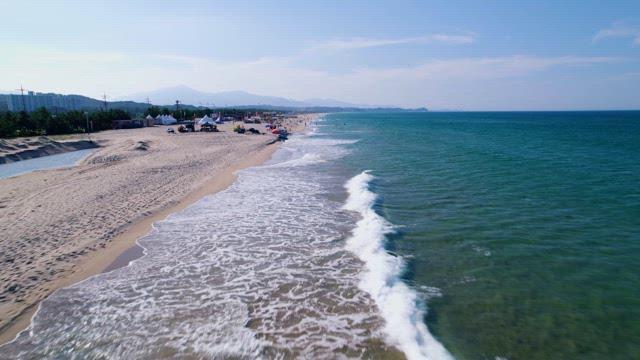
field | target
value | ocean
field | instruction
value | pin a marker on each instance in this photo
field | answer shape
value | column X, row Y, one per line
column 502, row 235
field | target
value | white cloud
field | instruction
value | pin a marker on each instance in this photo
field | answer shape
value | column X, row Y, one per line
column 500, row 67
column 620, row 29
column 453, row 83
column 361, row 43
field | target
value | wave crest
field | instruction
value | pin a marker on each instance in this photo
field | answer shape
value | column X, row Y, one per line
column 399, row 305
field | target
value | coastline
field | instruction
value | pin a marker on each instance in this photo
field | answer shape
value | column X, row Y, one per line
column 108, row 254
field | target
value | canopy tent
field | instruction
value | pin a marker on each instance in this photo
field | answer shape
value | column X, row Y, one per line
column 149, row 117
column 206, row 120
column 166, row 120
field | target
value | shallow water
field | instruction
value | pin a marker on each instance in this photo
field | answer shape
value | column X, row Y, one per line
column 43, row 163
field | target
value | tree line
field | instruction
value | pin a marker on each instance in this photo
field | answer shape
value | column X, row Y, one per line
column 43, row 122
column 189, row 114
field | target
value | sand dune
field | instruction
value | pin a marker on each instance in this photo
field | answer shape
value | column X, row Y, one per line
column 28, row 148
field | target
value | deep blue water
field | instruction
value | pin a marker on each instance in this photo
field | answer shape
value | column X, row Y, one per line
column 528, row 223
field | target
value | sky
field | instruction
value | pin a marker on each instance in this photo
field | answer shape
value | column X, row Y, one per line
column 453, row 55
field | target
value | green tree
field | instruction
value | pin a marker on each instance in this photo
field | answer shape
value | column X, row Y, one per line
column 26, row 127
column 153, row 111
column 76, row 120
column 40, row 119
column 59, row 125
column 8, row 124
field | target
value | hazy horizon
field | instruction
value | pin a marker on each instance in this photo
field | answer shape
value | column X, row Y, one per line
column 362, row 106
column 466, row 56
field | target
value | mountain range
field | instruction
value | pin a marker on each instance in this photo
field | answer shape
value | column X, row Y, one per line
column 187, row 95
column 193, row 98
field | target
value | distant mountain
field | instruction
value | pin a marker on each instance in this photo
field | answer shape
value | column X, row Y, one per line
column 187, row 95
column 60, row 102
column 189, row 98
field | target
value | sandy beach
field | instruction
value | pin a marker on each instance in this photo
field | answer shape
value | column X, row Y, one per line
column 61, row 226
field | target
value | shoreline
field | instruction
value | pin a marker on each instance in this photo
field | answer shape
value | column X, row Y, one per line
column 114, row 254
column 106, row 259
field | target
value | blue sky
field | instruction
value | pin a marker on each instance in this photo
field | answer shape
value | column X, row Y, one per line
column 466, row 55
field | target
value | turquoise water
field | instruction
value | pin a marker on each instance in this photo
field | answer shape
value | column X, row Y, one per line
column 527, row 223
column 43, row 163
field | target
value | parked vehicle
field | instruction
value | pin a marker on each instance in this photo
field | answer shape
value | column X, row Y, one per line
column 190, row 126
column 209, row 128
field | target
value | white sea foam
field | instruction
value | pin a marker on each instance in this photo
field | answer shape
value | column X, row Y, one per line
column 306, row 159
column 309, row 150
column 399, row 305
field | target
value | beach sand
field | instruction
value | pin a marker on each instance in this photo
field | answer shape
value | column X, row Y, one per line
column 61, row 226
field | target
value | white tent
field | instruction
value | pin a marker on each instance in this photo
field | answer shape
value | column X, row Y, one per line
column 219, row 120
column 169, row 120
column 206, row 120
column 149, row 117
column 166, row 120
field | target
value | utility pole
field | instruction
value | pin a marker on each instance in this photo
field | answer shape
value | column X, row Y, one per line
column 178, row 107
column 104, row 98
column 24, row 105
column 86, row 115
column 88, row 129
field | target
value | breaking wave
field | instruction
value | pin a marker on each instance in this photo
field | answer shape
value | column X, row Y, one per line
column 400, row 306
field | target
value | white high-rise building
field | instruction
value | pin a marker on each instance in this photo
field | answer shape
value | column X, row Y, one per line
column 32, row 101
